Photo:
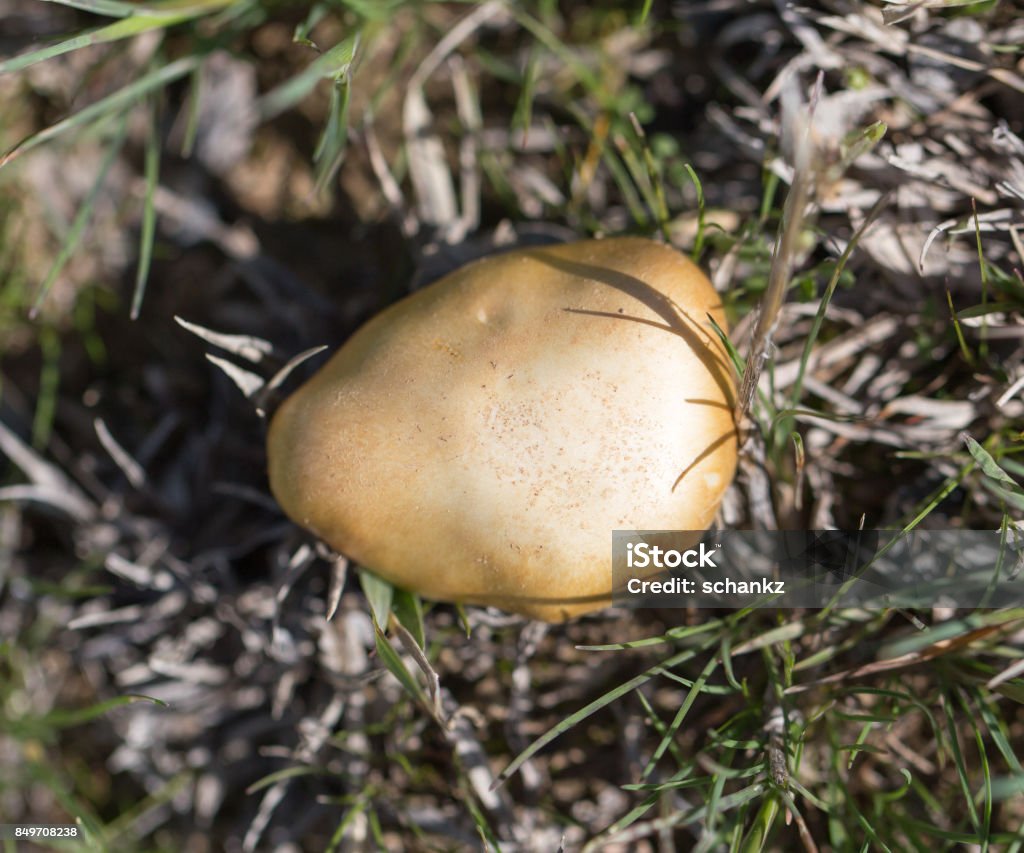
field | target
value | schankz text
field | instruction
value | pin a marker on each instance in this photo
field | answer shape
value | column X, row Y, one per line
column 685, row 586
column 641, row 555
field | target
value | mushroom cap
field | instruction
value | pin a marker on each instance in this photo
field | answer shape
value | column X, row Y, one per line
column 480, row 440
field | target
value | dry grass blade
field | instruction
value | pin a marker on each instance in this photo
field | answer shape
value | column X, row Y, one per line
column 51, row 484
column 281, row 375
column 413, row 649
column 784, row 255
column 428, row 166
column 132, row 469
column 245, row 346
column 339, row 573
column 937, row 649
column 247, row 382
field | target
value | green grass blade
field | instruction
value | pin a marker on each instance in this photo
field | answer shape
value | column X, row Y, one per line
column 715, row 797
column 964, row 349
column 522, row 116
column 725, row 656
column 335, row 63
column 900, row 792
column 983, row 310
column 43, row 773
column 698, row 240
column 74, row 236
column 858, row 142
column 902, row 696
column 686, row 818
column 394, row 664
column 283, row 775
column 989, row 466
column 709, row 689
column 67, row 719
column 672, row 635
column 870, row 830
column 152, row 177
column 983, row 268
column 330, row 149
column 757, row 836
column 107, row 106
column 996, row 730
column 935, row 831
column 186, row 7
column 649, row 179
column 662, row 729
column 826, row 298
column 124, row 828
column 195, row 97
column 960, row 764
column 631, row 817
column 483, row 828
column 1008, row 787
column 109, row 8
column 166, row 8
column 986, row 772
column 122, row 29
column 734, row 355
column 379, row 593
column 944, row 631
column 553, row 43
column 780, row 634
column 340, row 831
column 303, row 29
column 771, row 188
column 860, row 745
column 785, row 414
column 408, row 609
column 49, row 386
column 599, row 703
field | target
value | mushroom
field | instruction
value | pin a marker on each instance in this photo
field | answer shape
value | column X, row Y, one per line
column 480, row 440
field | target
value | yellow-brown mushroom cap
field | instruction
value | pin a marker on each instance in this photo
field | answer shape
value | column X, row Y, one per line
column 480, row 440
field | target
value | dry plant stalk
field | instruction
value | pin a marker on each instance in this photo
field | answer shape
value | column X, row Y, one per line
column 813, row 143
